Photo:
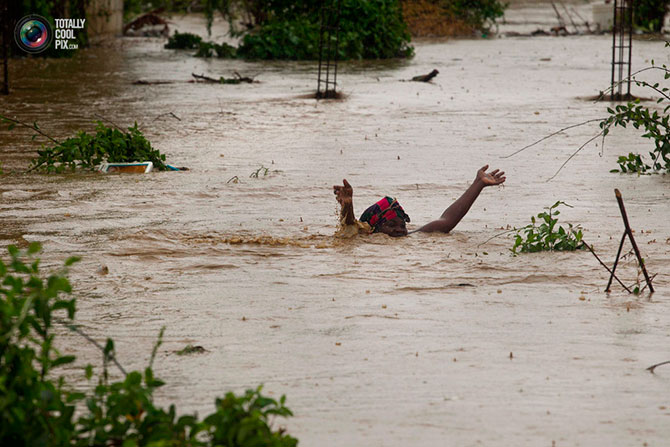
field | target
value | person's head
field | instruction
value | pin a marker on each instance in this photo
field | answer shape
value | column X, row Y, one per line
column 386, row 216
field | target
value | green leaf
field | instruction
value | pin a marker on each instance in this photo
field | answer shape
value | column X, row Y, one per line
column 71, row 260
column 64, row 360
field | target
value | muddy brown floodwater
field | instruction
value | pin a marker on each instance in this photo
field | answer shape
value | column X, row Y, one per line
column 425, row 340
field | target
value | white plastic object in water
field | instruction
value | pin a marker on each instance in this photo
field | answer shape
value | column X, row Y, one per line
column 139, row 168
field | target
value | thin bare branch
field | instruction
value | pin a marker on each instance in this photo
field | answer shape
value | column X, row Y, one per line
column 497, row 235
column 606, row 267
column 109, row 121
column 575, row 153
column 553, row 134
column 609, row 89
column 75, row 329
column 33, row 127
column 653, row 367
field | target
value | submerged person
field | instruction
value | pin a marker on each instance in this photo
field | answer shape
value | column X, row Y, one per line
column 388, row 217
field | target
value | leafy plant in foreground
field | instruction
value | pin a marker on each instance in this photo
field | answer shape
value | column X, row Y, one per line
column 547, row 236
column 34, row 410
column 37, row 408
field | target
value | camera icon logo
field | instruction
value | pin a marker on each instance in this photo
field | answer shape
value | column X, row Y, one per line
column 33, row 34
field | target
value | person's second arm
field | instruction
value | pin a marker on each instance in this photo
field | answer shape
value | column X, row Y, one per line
column 344, row 194
column 453, row 215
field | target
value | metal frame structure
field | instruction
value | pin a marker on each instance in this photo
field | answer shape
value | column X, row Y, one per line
column 328, row 51
column 622, row 46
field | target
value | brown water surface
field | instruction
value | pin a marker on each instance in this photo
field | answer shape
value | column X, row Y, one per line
column 375, row 341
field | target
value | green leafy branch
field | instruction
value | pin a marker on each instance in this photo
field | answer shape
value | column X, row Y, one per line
column 544, row 234
column 656, row 127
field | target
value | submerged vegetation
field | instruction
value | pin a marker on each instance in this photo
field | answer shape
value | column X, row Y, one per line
column 548, row 235
column 108, row 144
column 38, row 408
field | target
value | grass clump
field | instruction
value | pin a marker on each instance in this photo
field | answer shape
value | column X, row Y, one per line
column 38, row 408
column 547, row 235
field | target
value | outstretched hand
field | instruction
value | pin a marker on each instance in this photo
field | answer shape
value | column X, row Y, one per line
column 495, row 177
column 343, row 193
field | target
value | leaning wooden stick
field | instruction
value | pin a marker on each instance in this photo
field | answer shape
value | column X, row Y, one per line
column 616, row 262
column 619, row 199
column 608, row 269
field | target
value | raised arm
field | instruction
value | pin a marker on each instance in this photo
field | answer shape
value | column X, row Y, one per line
column 344, row 194
column 453, row 215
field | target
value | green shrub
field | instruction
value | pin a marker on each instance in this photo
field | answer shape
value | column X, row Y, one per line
column 295, row 40
column 38, row 409
column 282, row 29
column 371, row 29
